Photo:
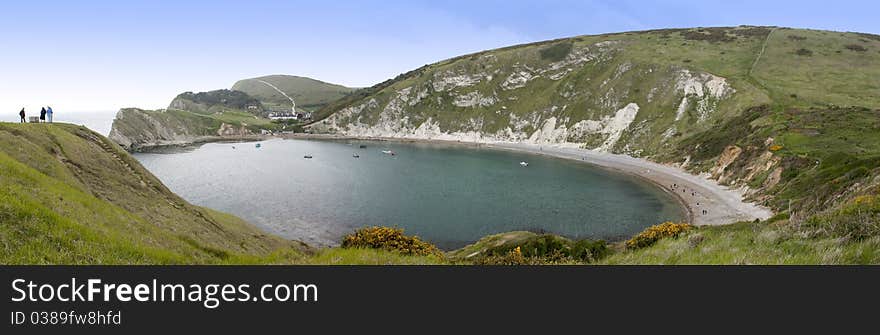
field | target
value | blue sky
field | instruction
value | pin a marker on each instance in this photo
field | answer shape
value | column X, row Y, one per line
column 104, row 55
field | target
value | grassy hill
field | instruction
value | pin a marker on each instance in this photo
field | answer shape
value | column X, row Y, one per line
column 70, row 196
column 791, row 114
column 309, row 94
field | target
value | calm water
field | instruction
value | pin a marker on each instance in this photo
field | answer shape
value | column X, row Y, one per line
column 449, row 195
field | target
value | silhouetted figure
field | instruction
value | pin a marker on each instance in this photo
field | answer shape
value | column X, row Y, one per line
column 22, row 115
column 49, row 113
column 43, row 114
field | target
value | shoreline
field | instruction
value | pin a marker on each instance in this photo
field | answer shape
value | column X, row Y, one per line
column 724, row 205
column 694, row 193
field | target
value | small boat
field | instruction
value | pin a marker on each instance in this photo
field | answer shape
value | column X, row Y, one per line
column 356, row 156
column 389, row 152
column 362, row 146
column 523, row 163
column 307, row 156
column 258, row 145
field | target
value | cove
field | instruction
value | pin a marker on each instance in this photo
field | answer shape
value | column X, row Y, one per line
column 448, row 194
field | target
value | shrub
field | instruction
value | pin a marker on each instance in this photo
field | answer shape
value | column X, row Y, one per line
column 556, row 52
column 857, row 220
column 713, row 35
column 391, row 239
column 804, row 52
column 657, row 232
column 856, row 47
column 545, row 249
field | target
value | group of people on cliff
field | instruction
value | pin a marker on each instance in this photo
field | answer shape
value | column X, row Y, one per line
column 45, row 115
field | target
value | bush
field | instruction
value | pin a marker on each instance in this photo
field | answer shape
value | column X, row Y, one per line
column 804, row 52
column 657, row 232
column 858, row 220
column 856, row 47
column 545, row 249
column 556, row 52
column 391, row 239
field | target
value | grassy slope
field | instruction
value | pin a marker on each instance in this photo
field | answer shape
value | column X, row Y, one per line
column 70, row 196
column 753, row 243
column 309, row 94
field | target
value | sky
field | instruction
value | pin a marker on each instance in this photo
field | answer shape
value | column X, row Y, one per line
column 87, row 56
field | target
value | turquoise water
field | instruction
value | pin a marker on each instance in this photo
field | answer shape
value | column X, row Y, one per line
column 450, row 195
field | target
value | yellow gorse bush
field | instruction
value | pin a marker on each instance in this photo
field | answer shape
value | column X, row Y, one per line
column 656, row 232
column 389, row 239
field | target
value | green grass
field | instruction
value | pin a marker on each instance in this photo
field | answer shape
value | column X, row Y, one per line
column 751, row 243
column 343, row 256
column 70, row 196
column 309, row 94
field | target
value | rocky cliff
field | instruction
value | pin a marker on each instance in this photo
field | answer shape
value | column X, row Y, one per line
column 136, row 129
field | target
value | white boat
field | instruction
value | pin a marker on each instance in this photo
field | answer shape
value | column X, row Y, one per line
column 523, row 163
column 388, row 152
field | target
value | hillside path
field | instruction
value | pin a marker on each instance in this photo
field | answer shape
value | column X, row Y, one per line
column 761, row 53
column 282, row 93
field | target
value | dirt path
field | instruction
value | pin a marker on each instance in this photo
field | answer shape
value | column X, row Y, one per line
column 282, row 93
column 761, row 53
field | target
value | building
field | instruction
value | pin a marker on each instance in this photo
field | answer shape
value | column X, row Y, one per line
column 284, row 116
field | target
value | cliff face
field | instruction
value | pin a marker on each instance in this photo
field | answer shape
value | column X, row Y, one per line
column 719, row 101
column 586, row 91
column 136, row 128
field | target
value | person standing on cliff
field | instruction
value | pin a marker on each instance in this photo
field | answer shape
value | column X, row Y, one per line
column 49, row 114
column 22, row 115
column 43, row 114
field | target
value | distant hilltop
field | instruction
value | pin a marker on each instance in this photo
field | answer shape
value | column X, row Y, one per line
column 276, row 91
column 252, row 107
